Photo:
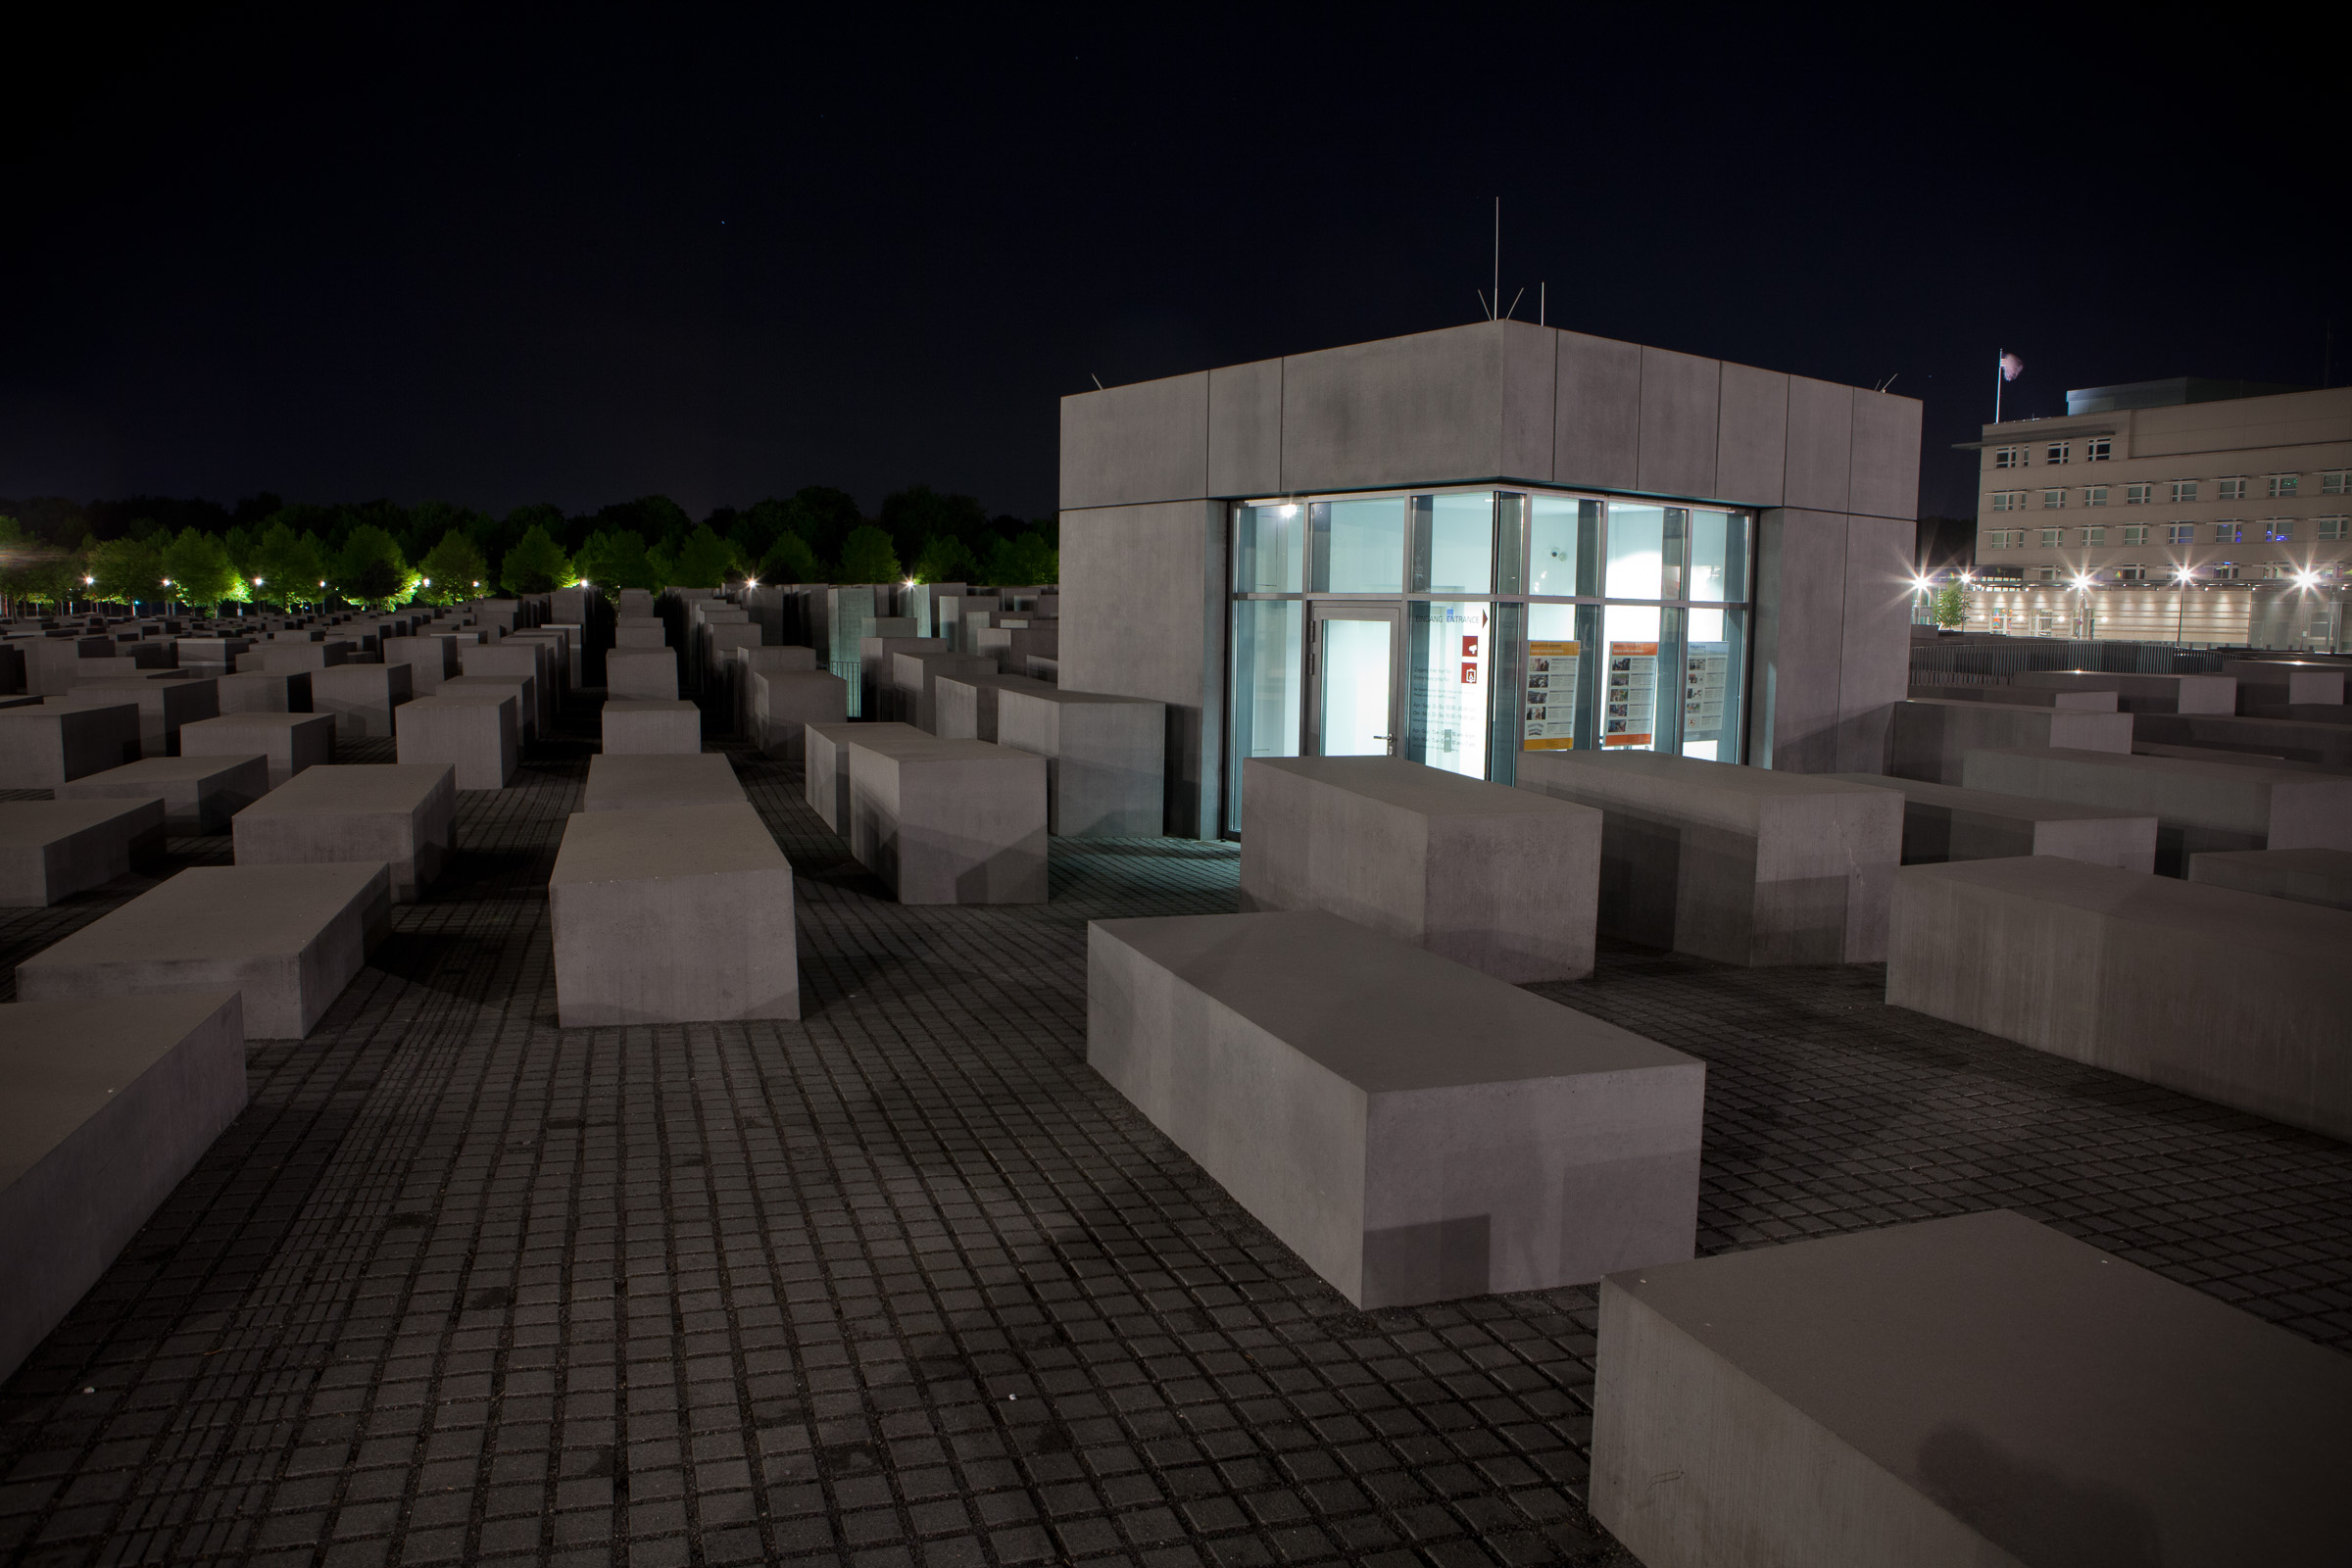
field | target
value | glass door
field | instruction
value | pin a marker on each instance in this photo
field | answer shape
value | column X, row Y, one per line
column 1353, row 681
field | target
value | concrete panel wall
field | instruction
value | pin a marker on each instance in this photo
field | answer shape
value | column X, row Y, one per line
column 1795, row 687
column 1678, row 397
column 1751, row 436
column 1530, row 377
column 1244, row 430
column 1821, row 445
column 1884, row 465
column 1874, row 657
column 1143, row 602
column 1146, row 442
column 1597, row 413
column 1408, row 411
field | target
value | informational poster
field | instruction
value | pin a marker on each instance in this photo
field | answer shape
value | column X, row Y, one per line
column 1706, row 681
column 1630, row 700
column 1551, row 707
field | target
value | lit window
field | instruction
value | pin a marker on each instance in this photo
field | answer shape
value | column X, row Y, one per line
column 2009, row 457
column 2137, row 495
column 2133, row 572
column 2094, row 495
column 2095, row 536
column 2003, row 538
column 2225, row 571
column 2280, row 570
column 2229, row 533
column 2098, row 451
column 2331, row 527
column 2053, row 538
column 2059, row 451
column 2053, row 497
column 2136, row 534
column 2008, row 501
column 2278, row 531
column 2046, row 573
column 2180, row 533
column 2185, row 490
column 2232, row 490
column 2338, row 483
column 2281, row 485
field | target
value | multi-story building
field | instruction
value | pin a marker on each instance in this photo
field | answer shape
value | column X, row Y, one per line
column 2124, row 518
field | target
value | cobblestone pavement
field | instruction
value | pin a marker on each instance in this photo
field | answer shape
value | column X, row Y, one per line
column 902, row 1283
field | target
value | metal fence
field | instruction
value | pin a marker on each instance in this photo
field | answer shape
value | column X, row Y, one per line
column 1992, row 660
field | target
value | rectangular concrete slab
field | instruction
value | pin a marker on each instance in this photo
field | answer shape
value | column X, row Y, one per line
column 785, row 703
column 1958, row 1394
column 401, row 815
column 291, row 742
column 51, row 850
column 1949, row 822
column 650, row 673
column 1931, row 738
column 672, row 915
column 2231, row 996
column 825, row 768
column 1414, row 1130
column 2263, row 683
column 199, row 793
column 165, row 705
column 2141, row 694
column 1500, row 879
column 634, row 783
column 2307, row 876
column 1106, row 775
column 2326, row 745
column 361, row 697
column 265, row 692
column 2102, row 701
column 1739, row 864
column 639, row 727
column 289, row 936
column 471, row 732
column 41, row 748
column 105, row 1104
column 2199, row 806
column 949, row 821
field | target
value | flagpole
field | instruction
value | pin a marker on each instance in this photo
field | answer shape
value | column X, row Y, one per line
column 1997, row 369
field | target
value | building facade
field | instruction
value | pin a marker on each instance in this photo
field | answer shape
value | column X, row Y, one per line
column 1465, row 544
column 2164, row 482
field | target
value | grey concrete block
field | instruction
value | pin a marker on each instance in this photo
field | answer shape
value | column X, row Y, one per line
column 1740, row 864
column 51, row 850
column 1800, row 615
column 2088, row 702
column 400, row 815
column 105, row 1104
column 2307, row 876
column 1884, row 463
column 298, row 652
column 521, row 689
column 748, row 663
column 1245, row 430
column 672, row 915
column 965, row 708
column 2230, row 997
column 361, row 697
column 1875, row 648
column 1751, row 437
column 650, row 728
column 1947, row 822
column 199, row 793
column 471, row 732
column 1500, row 879
column 647, row 632
column 2140, row 694
column 1147, row 441
column 1106, row 768
column 650, row 673
column 289, row 936
column 948, row 822
column 2293, row 740
column 785, row 703
column 165, row 705
column 519, row 659
column 41, row 748
column 430, row 660
column 1289, row 1055
column 1393, row 411
column 1596, row 407
column 1957, row 1394
column 2199, row 806
column 265, row 692
column 1821, row 445
column 877, row 667
column 914, row 680
column 1679, row 396
column 1932, row 738
column 638, row 783
column 2278, row 682
column 825, row 775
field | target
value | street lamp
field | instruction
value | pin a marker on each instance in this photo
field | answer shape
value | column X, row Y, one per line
column 2180, row 576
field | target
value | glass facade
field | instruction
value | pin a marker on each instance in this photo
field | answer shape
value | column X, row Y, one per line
column 1461, row 627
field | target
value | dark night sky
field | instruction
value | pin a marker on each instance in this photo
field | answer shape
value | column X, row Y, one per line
column 499, row 256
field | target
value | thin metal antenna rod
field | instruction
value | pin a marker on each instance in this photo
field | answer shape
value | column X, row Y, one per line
column 1515, row 299
column 1498, row 257
column 1540, row 291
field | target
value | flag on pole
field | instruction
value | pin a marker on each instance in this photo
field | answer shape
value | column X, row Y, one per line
column 2012, row 366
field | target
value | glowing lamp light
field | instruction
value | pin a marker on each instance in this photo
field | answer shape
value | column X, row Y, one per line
column 2182, row 575
column 89, row 582
column 2309, row 579
column 2082, row 579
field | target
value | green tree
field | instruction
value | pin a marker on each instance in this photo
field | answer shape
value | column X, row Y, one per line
column 701, row 561
column 33, row 569
column 945, row 559
column 369, row 569
column 616, row 560
column 916, row 515
column 866, row 555
column 125, row 571
column 452, row 571
column 822, row 516
column 535, row 565
column 289, row 563
column 198, row 570
column 790, row 560
column 1949, row 607
column 1028, row 560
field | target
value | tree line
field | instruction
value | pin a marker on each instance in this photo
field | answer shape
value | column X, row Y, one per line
column 264, row 550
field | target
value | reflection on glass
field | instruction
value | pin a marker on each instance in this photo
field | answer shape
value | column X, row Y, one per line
column 1352, row 714
column 1560, row 539
column 1270, row 554
column 1637, row 552
column 1718, row 556
column 1452, row 653
column 1460, row 553
column 1712, row 681
column 1359, row 546
column 1629, row 694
